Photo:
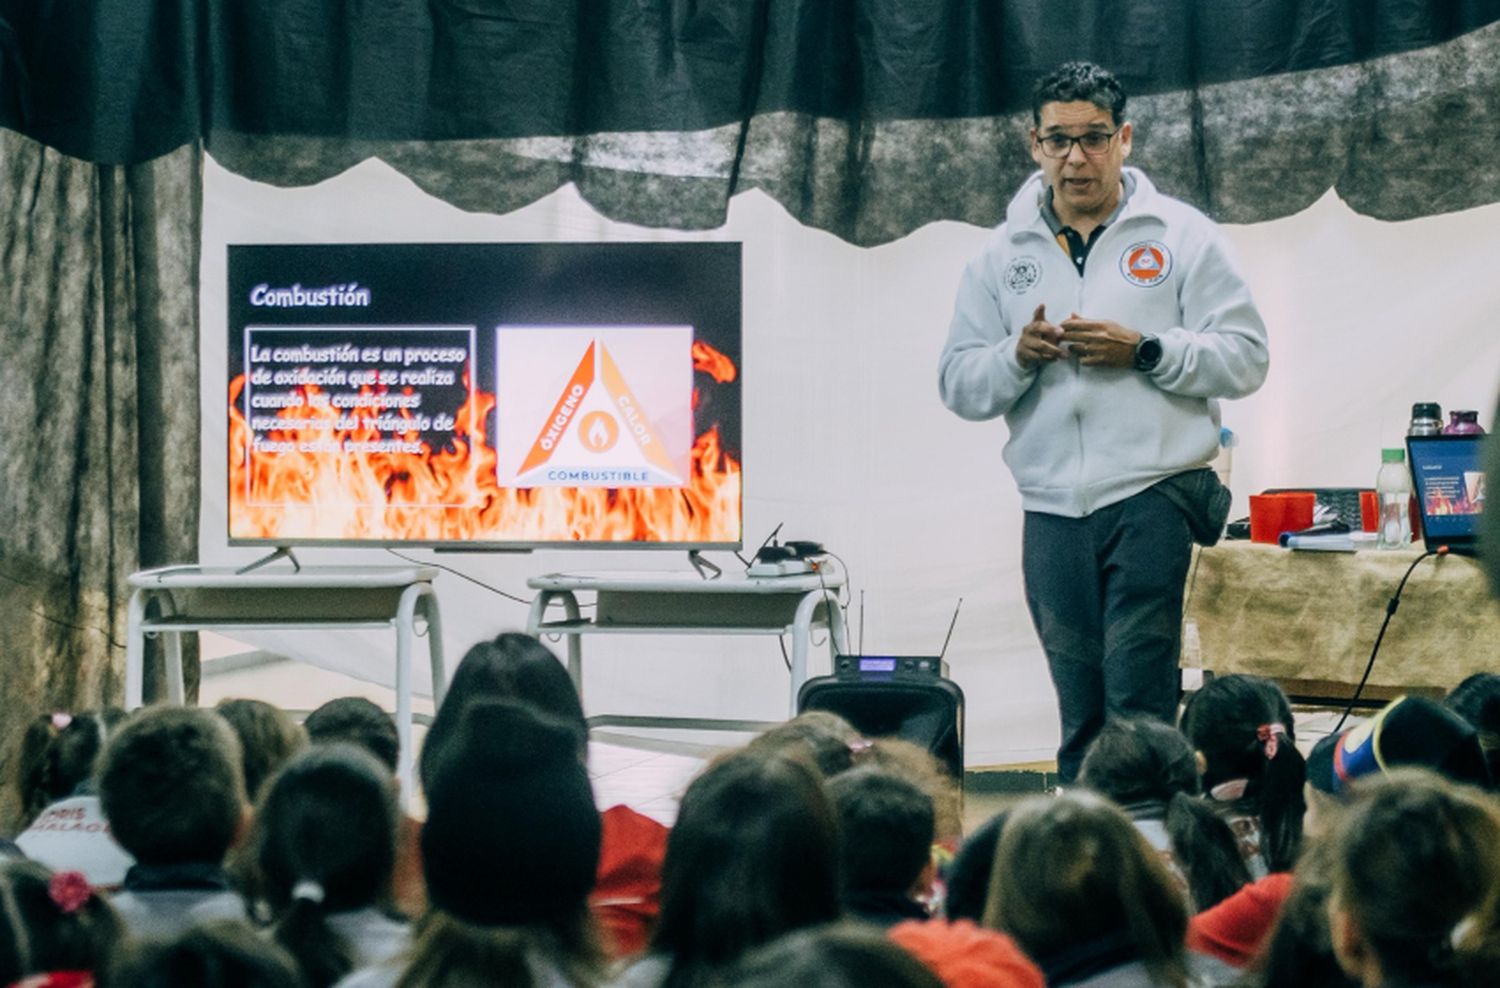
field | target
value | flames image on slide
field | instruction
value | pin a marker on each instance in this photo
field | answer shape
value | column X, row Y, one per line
column 452, row 494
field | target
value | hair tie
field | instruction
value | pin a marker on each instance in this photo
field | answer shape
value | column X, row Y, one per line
column 308, row 891
column 61, row 720
column 1267, row 735
column 69, row 891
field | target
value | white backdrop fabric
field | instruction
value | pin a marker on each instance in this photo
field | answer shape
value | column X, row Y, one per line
column 845, row 440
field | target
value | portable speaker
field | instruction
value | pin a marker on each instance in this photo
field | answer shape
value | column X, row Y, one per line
column 895, row 696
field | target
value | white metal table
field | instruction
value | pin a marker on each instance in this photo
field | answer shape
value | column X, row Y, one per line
column 683, row 603
column 176, row 600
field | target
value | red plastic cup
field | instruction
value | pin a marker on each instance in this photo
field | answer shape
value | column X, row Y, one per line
column 1273, row 514
column 1369, row 511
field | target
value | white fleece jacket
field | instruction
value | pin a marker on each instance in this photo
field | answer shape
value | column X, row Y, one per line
column 1082, row 438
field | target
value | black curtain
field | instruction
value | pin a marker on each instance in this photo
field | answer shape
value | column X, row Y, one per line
column 99, row 461
column 867, row 118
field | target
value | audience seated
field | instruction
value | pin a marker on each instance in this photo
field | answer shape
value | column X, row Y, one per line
column 510, row 849
column 322, row 850
column 1085, row 896
column 67, row 829
column 1149, row 770
column 170, row 785
column 1253, row 773
column 964, row 955
column 1416, row 884
column 518, row 667
column 836, row 956
column 216, row 954
column 358, row 721
column 267, row 735
column 1477, row 700
column 754, row 855
column 54, row 928
column 886, row 823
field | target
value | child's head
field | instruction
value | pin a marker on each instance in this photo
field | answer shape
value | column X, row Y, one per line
column 825, row 738
column 919, row 766
column 1416, row 882
column 360, row 722
column 1072, row 870
column 886, row 823
column 51, row 922
column 511, row 667
column 59, row 753
column 171, row 788
column 1477, row 700
column 1139, row 761
column 510, row 850
column 754, row 854
column 837, row 956
column 324, row 842
column 268, row 737
column 1143, row 764
column 222, row 954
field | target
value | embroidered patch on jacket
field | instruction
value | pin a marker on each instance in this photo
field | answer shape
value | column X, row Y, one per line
column 1022, row 274
column 1146, row 263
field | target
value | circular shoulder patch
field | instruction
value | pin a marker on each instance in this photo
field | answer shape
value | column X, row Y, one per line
column 1022, row 274
column 1146, row 263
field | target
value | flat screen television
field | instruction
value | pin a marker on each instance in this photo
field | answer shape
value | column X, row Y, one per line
column 513, row 395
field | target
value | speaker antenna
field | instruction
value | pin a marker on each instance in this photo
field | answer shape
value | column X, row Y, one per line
column 951, row 625
column 861, row 621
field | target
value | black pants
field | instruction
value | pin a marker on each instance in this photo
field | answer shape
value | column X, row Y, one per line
column 1105, row 594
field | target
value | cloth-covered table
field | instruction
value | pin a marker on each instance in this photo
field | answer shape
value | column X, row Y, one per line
column 1309, row 619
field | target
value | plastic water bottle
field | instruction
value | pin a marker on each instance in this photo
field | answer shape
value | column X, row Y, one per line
column 1393, row 489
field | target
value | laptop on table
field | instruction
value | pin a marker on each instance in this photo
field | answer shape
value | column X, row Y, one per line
column 1448, row 476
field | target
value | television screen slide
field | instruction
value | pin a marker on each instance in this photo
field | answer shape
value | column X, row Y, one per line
column 1450, row 482
column 517, row 395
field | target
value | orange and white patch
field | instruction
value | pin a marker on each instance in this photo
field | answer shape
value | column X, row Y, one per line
column 1146, row 263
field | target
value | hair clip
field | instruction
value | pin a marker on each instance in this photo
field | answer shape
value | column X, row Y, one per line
column 1267, row 734
column 69, row 891
column 307, row 890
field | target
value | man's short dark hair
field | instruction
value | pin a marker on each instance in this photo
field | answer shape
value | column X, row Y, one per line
column 357, row 721
column 1074, row 82
column 887, row 827
column 171, row 786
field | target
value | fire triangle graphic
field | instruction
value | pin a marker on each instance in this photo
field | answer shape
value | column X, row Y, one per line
column 598, row 428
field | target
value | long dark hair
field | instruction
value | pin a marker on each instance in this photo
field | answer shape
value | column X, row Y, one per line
column 1416, row 868
column 1145, row 766
column 1072, row 869
column 58, row 755
column 513, row 666
column 1243, row 726
column 754, row 854
column 325, row 841
column 52, row 923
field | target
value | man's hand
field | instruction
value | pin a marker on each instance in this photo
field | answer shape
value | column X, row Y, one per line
column 1100, row 342
column 1039, row 341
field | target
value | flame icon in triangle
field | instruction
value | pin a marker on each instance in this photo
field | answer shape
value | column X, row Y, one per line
column 594, row 410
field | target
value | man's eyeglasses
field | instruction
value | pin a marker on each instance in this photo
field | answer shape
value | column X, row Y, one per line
column 1094, row 143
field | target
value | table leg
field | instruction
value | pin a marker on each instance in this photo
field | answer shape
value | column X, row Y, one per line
column 135, row 651
column 538, row 617
column 429, row 610
column 405, row 614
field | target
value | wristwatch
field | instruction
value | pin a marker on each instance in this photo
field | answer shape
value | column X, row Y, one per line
column 1147, row 354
